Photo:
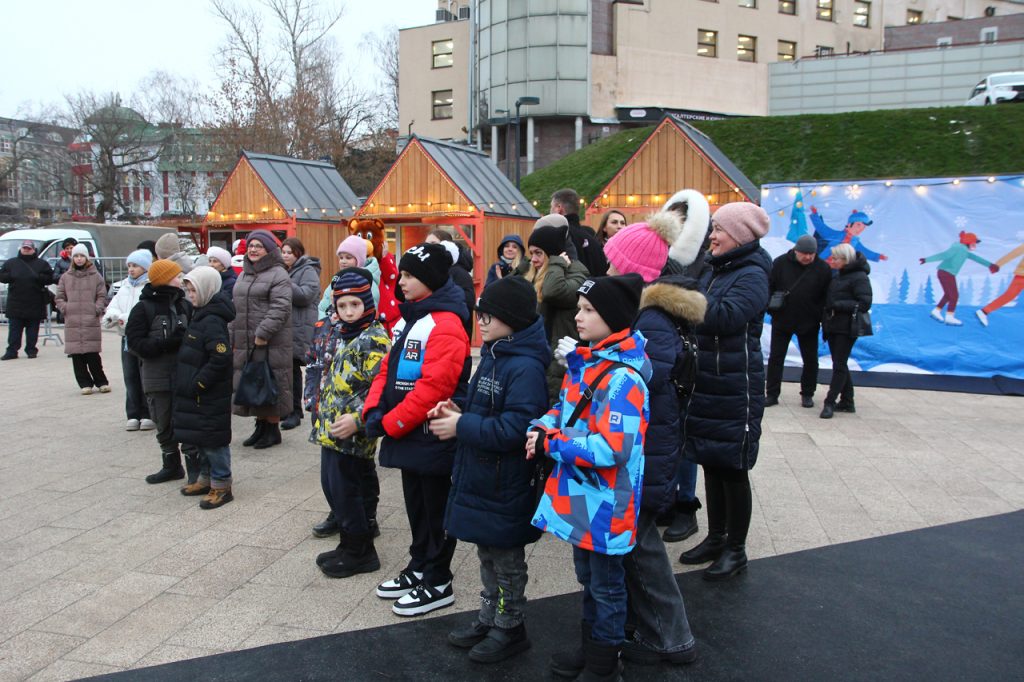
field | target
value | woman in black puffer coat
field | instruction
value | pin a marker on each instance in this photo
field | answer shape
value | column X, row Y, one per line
column 849, row 290
column 722, row 425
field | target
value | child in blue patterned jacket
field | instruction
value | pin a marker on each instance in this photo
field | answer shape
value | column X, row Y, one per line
column 595, row 435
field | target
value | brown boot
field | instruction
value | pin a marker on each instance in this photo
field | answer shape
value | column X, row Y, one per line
column 217, row 497
column 200, row 487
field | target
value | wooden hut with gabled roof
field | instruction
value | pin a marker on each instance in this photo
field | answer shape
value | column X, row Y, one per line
column 435, row 184
column 290, row 197
column 674, row 156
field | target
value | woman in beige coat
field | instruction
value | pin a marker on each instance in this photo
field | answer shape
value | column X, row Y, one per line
column 263, row 321
column 82, row 300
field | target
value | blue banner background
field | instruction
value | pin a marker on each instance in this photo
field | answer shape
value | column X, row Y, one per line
column 913, row 219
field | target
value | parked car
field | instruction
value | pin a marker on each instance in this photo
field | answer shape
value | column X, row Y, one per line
column 998, row 88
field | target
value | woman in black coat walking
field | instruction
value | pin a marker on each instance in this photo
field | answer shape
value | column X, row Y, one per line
column 722, row 425
column 849, row 292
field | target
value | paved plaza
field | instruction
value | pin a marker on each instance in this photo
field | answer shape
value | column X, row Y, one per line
column 100, row 572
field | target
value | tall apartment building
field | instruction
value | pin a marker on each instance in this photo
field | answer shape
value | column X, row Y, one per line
column 597, row 65
column 31, row 156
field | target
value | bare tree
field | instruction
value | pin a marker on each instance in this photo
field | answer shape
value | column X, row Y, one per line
column 116, row 146
column 163, row 97
column 280, row 89
column 383, row 45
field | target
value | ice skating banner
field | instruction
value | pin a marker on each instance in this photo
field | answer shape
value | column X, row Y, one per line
column 947, row 266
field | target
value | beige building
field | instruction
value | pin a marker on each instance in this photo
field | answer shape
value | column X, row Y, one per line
column 596, row 65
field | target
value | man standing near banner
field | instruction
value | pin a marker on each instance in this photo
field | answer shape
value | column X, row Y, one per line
column 798, row 284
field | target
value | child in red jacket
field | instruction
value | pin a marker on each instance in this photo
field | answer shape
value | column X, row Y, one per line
column 428, row 363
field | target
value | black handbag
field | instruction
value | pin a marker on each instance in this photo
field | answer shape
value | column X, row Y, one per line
column 256, row 385
column 777, row 301
column 860, row 323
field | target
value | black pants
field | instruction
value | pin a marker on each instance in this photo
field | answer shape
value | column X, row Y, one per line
column 841, row 386
column 297, row 386
column 351, row 487
column 17, row 325
column 161, row 404
column 135, row 406
column 88, row 370
column 430, row 552
column 808, row 343
column 727, row 495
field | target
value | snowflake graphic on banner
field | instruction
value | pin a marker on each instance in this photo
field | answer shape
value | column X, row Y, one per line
column 961, row 221
column 853, row 192
column 869, row 210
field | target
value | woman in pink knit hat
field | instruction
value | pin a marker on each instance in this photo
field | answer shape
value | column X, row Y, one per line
column 722, row 425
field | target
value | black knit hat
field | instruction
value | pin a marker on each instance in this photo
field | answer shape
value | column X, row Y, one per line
column 429, row 263
column 549, row 238
column 616, row 299
column 356, row 282
column 512, row 300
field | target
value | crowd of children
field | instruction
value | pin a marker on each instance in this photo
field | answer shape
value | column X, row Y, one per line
column 488, row 459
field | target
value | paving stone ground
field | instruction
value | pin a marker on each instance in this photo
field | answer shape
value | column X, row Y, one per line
column 100, row 572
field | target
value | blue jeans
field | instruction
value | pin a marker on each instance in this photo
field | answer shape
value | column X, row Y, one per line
column 215, row 466
column 685, row 483
column 603, row 577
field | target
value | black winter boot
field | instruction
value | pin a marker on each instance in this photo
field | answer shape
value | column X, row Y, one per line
column 192, row 467
column 170, row 471
column 291, row 421
column 709, row 549
column 468, row 636
column 733, row 561
column 602, row 662
column 827, row 410
column 323, row 557
column 357, row 556
column 500, row 644
column 684, row 524
column 271, row 436
column 569, row 664
column 256, row 434
column 327, row 527
column 846, row 406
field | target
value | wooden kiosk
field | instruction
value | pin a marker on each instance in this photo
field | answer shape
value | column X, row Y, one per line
column 674, row 156
column 289, row 197
column 436, row 184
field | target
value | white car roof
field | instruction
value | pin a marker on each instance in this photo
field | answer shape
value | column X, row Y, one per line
column 47, row 234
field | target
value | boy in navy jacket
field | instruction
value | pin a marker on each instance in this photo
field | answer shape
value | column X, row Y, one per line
column 493, row 496
column 428, row 363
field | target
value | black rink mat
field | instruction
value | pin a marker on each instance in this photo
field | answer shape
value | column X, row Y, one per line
column 944, row 603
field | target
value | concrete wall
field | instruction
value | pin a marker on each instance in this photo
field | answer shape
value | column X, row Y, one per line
column 1007, row 27
column 894, row 80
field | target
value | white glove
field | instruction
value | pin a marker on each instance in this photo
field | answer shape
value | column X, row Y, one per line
column 566, row 345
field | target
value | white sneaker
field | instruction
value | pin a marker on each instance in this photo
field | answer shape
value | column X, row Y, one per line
column 952, row 321
column 982, row 317
column 147, row 425
column 937, row 315
column 400, row 586
column 132, row 425
column 104, row 389
column 87, row 390
column 424, row 599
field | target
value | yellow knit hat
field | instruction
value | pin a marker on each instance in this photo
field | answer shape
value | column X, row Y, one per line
column 162, row 271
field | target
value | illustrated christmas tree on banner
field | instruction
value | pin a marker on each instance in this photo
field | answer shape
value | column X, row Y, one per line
column 797, row 219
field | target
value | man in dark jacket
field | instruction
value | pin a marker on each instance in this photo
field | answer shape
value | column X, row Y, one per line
column 588, row 247
column 26, row 276
column 804, row 278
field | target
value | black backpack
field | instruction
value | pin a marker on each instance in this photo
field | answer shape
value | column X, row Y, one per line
column 684, row 373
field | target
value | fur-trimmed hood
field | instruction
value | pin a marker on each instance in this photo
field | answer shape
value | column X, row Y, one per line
column 687, row 245
column 675, row 297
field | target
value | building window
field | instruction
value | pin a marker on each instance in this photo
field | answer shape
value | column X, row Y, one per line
column 989, row 35
column 707, row 43
column 824, row 51
column 953, row 18
column 824, row 10
column 914, row 16
column 787, row 50
column 862, row 13
column 442, row 51
column 944, row 42
column 442, row 100
column 787, row 7
column 746, row 49
column 5, row 144
column 749, row 4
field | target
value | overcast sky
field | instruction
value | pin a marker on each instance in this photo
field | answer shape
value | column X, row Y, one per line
column 55, row 47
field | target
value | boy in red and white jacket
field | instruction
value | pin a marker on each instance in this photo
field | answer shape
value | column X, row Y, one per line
column 428, row 363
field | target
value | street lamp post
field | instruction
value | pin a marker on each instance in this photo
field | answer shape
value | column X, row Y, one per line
column 528, row 101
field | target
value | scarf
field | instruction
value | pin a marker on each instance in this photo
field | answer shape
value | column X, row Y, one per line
column 141, row 279
column 350, row 330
